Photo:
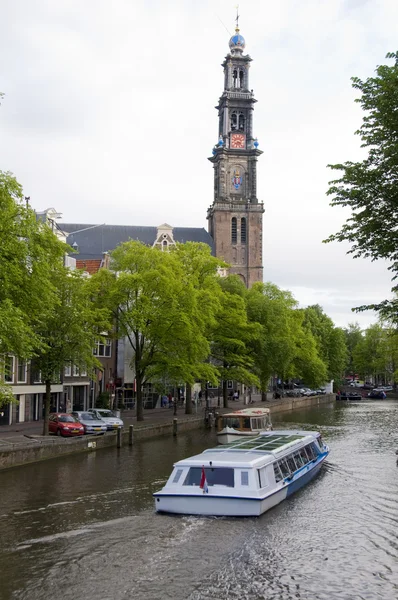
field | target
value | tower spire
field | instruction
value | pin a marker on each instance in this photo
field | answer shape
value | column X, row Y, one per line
column 237, row 18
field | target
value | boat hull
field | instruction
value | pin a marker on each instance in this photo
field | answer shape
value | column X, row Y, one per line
column 227, row 506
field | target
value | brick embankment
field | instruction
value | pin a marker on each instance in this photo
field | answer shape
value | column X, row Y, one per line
column 23, row 443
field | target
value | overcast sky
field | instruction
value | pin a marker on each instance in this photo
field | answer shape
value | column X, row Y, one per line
column 109, row 118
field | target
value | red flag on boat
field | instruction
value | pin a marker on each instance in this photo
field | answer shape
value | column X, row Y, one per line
column 203, row 482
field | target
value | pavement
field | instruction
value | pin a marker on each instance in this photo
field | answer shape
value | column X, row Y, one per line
column 30, row 433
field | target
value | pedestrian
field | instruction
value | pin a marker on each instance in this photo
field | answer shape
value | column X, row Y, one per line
column 164, row 401
column 170, row 399
column 235, row 396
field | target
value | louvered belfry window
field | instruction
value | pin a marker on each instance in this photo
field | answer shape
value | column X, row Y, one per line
column 234, row 231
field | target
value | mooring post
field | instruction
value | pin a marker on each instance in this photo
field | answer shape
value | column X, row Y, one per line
column 119, row 437
column 175, row 426
column 131, row 433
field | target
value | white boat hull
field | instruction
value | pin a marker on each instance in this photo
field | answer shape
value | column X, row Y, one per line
column 227, row 506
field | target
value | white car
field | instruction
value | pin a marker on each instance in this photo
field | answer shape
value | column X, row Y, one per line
column 110, row 418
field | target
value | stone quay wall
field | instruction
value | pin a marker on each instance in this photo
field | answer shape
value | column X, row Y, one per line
column 37, row 448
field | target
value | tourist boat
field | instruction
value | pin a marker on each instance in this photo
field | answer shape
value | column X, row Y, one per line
column 244, row 478
column 247, row 422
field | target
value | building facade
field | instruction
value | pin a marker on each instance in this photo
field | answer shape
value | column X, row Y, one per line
column 235, row 219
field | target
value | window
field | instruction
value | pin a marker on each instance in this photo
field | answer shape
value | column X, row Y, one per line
column 244, row 478
column 103, row 349
column 230, row 385
column 68, row 370
column 243, row 231
column 284, row 467
column 214, row 476
column 177, row 475
column 291, row 464
column 75, row 371
column 234, row 121
column 262, row 477
column 9, row 369
column 234, row 234
column 241, row 78
column 241, row 122
column 83, row 372
column 278, row 473
column 22, row 371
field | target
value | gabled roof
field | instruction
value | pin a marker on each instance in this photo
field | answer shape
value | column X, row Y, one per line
column 91, row 240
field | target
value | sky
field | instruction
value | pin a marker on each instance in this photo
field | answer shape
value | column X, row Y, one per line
column 109, row 117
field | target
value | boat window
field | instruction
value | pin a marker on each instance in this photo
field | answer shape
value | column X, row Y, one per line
column 310, row 451
column 284, row 467
column 231, row 422
column 214, row 476
column 291, row 463
column 262, row 477
column 177, row 475
column 278, row 473
column 303, row 456
column 320, row 442
column 246, row 423
column 258, row 423
column 244, row 478
column 298, row 460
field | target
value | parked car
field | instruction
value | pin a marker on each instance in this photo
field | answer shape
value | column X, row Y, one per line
column 377, row 394
column 90, row 423
column 64, row 424
column 356, row 384
column 110, row 418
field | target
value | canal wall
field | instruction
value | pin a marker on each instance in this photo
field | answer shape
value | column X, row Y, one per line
column 37, row 448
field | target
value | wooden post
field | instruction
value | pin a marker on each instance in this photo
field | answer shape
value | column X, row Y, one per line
column 175, row 426
column 119, row 437
column 131, row 434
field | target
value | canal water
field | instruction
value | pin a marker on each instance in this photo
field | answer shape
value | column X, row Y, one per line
column 84, row 526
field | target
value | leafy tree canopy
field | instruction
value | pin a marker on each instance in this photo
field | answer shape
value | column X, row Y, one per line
column 370, row 187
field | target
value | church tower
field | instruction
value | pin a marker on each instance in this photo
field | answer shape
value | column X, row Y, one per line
column 236, row 217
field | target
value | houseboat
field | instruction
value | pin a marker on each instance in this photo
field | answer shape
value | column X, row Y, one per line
column 244, row 478
column 247, row 422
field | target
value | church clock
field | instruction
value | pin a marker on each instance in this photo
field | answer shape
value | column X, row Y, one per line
column 238, row 141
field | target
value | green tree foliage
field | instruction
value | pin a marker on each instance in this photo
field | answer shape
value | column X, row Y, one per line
column 330, row 341
column 28, row 252
column 369, row 353
column 284, row 348
column 164, row 302
column 353, row 336
column 70, row 332
column 370, row 187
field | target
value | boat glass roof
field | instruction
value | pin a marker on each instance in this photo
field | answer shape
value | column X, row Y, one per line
column 261, row 443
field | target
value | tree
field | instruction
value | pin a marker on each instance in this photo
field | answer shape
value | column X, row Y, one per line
column 70, row 332
column 353, row 336
column 162, row 312
column 330, row 340
column 370, row 187
column 232, row 337
column 28, row 252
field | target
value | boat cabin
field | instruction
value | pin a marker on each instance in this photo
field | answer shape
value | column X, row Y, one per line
column 247, row 419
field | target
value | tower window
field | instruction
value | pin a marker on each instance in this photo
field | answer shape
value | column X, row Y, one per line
column 243, row 231
column 241, row 122
column 234, row 232
column 234, row 121
column 241, row 77
column 235, row 78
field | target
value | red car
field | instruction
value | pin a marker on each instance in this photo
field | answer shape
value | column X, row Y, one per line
column 64, row 424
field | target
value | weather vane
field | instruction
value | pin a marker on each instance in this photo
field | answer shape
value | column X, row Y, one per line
column 237, row 16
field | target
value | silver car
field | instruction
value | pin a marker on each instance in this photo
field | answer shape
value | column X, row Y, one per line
column 110, row 418
column 90, row 422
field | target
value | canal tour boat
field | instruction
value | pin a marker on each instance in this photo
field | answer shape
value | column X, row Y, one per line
column 248, row 422
column 244, row 478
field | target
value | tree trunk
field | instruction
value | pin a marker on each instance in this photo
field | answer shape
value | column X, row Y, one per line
column 225, row 393
column 263, row 396
column 176, row 397
column 188, row 399
column 47, row 403
column 140, row 405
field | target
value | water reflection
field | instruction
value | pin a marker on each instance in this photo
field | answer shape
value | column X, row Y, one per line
column 86, row 524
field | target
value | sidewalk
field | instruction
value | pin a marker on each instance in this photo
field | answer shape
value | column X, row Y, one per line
column 19, row 434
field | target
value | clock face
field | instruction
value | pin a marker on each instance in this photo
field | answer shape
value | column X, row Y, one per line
column 238, row 140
